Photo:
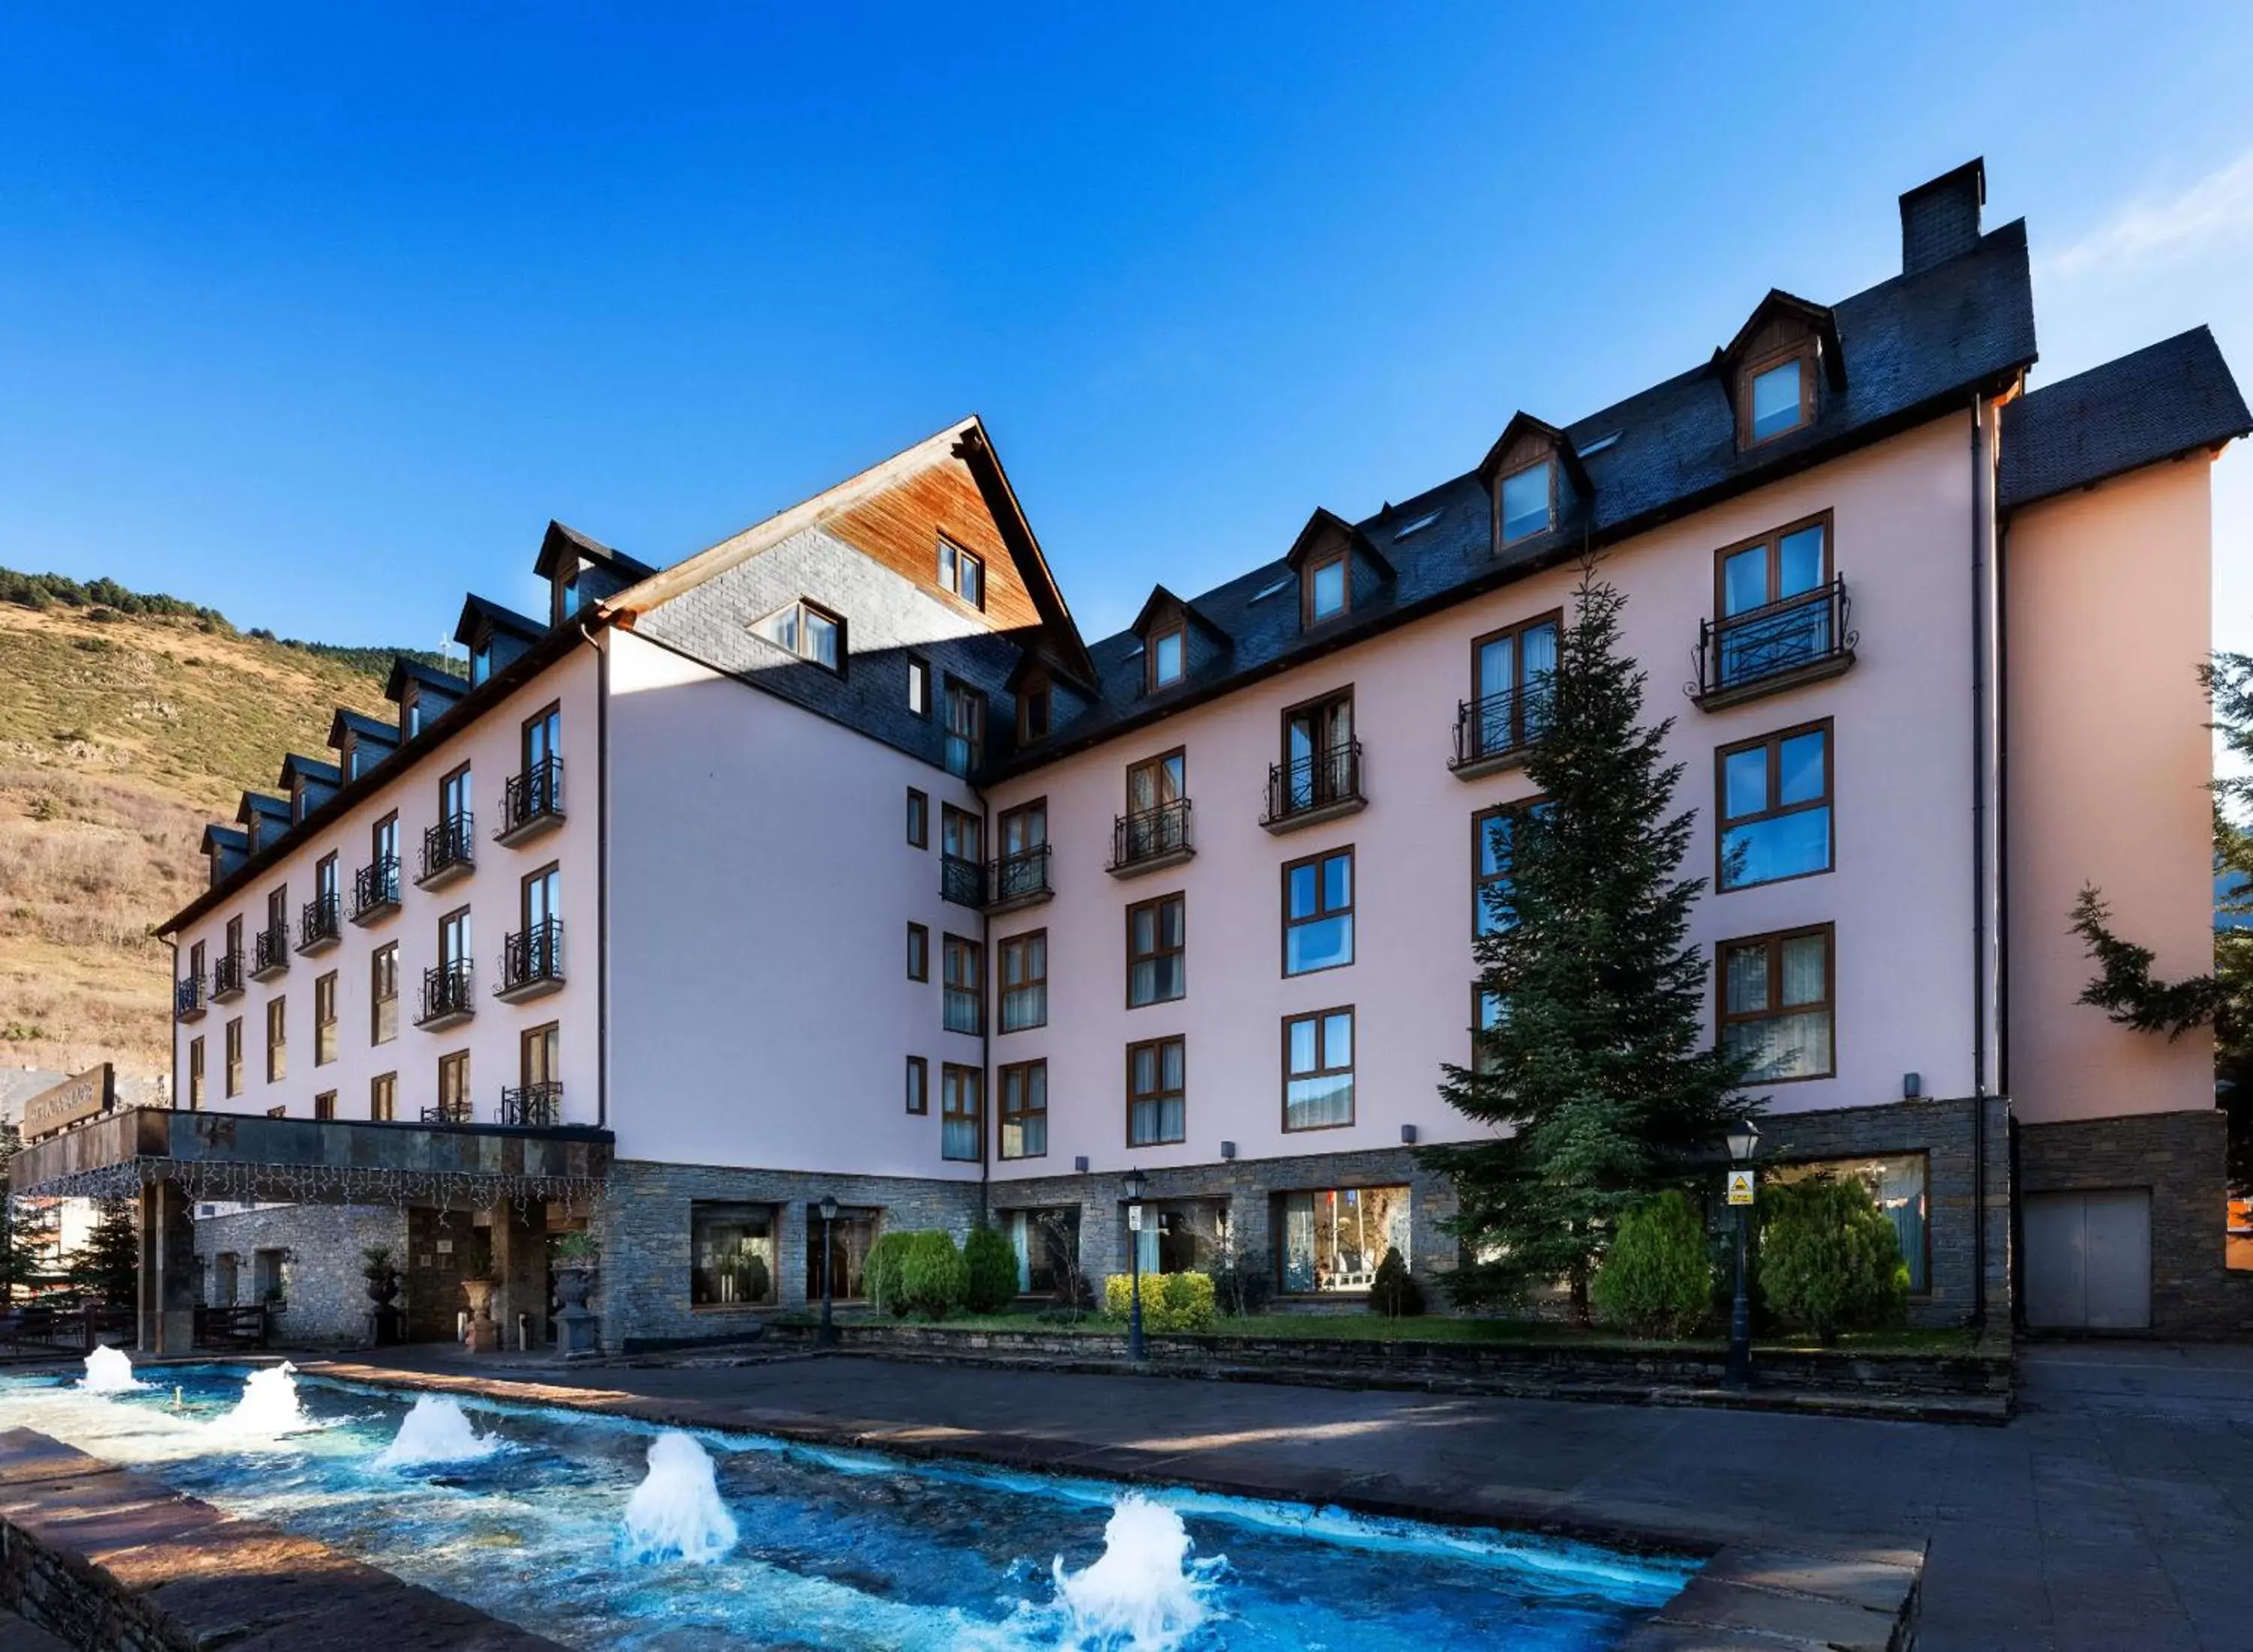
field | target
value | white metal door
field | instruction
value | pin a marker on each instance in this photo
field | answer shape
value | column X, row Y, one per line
column 2089, row 1260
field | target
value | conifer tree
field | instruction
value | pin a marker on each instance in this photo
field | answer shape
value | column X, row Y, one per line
column 21, row 1243
column 108, row 1266
column 1599, row 1066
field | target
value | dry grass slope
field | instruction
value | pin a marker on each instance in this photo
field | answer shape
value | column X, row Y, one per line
column 118, row 741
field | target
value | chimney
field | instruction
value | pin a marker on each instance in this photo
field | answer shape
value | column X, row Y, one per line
column 1941, row 219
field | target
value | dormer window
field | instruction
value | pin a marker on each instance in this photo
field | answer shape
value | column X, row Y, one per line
column 811, row 633
column 570, row 597
column 480, row 664
column 962, row 572
column 410, row 716
column 1528, row 502
column 1168, row 657
column 1329, row 589
column 1777, row 396
column 1033, row 712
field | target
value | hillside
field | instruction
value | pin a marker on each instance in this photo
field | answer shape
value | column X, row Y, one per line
column 122, row 733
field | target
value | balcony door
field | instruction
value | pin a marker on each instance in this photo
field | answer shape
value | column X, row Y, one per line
column 324, row 883
column 1318, row 749
column 387, row 839
column 542, row 1055
column 453, row 797
column 542, row 899
column 961, row 836
column 1025, row 830
column 1512, row 669
column 454, row 940
column 1772, row 614
column 1154, row 784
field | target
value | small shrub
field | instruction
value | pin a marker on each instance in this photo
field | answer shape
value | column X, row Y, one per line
column 1657, row 1279
column 934, row 1281
column 1830, row 1260
column 1170, row 1301
column 879, row 1271
column 990, row 1265
column 1243, row 1282
column 1394, row 1291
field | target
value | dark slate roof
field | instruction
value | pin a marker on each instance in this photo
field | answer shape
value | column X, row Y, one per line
column 483, row 611
column 1913, row 347
column 2167, row 400
column 273, row 808
column 225, row 837
column 404, row 670
column 560, row 541
column 366, row 727
column 323, row 774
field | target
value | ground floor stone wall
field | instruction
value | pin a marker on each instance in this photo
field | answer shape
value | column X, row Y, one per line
column 323, row 1295
column 2180, row 1159
column 1950, row 1132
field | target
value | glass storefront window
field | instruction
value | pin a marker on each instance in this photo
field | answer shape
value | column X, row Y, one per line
column 1047, row 1243
column 731, row 1250
column 1897, row 1181
column 1333, row 1237
column 1183, row 1236
column 851, row 1235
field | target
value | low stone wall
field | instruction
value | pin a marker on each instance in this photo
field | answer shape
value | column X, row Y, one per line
column 1497, row 1368
column 104, row 1558
column 325, row 1296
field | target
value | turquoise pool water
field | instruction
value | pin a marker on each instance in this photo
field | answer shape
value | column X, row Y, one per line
column 846, row 1550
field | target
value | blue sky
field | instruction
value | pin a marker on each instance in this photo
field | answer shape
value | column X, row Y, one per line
column 320, row 313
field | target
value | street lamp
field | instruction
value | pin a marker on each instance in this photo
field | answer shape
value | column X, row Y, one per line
column 1135, row 1182
column 827, row 1335
column 1744, row 1141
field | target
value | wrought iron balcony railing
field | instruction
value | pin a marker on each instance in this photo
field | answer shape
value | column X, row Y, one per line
column 1798, row 639
column 961, row 881
column 448, row 994
column 269, row 951
column 531, row 801
column 448, row 1112
column 375, row 889
column 317, row 924
column 226, row 976
column 540, row 1104
column 450, row 848
column 1315, row 787
column 996, row 886
column 1500, row 727
column 188, row 997
column 531, row 961
column 1151, row 837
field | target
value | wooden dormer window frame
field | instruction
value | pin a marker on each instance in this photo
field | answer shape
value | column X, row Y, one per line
column 1547, row 465
column 1803, row 352
column 1035, row 709
column 1178, row 632
column 1310, row 586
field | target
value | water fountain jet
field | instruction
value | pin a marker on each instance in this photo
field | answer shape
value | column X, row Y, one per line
column 109, row 1371
column 436, row 1430
column 1144, row 1591
column 269, row 1408
column 676, row 1513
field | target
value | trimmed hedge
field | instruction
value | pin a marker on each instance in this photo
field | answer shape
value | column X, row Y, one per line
column 1394, row 1291
column 991, row 1263
column 1170, row 1301
column 1830, row 1260
column 879, row 1271
column 1657, row 1277
column 934, row 1280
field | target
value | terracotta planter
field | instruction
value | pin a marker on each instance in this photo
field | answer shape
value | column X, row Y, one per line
column 485, row 1335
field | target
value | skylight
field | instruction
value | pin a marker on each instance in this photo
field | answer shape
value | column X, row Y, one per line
column 1600, row 444
column 1419, row 525
column 1267, row 591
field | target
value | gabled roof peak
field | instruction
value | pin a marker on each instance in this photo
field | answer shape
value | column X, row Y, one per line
column 561, row 544
column 1523, row 424
column 1326, row 527
column 1162, row 603
column 1781, row 306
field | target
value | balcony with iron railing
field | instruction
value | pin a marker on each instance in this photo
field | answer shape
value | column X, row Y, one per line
column 1150, row 839
column 227, row 977
column 531, row 962
column 450, row 1112
column 533, row 1105
column 1801, row 640
column 269, row 952
column 1322, row 786
column 449, row 851
column 449, row 995
column 531, row 803
column 1004, row 885
column 188, row 998
column 375, row 890
column 317, row 926
column 1496, row 733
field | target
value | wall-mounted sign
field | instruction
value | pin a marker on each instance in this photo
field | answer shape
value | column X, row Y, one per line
column 1740, row 1187
column 79, row 1097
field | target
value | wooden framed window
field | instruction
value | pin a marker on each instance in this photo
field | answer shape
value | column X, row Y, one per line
column 1320, row 763
column 541, row 743
column 1157, row 1092
column 964, row 964
column 1155, row 781
column 325, row 891
column 454, row 798
column 325, row 1019
column 1318, row 912
column 919, row 1085
column 1494, row 838
column 454, row 1085
column 196, row 967
column 961, row 835
column 961, row 572
column 1024, row 1122
column 918, row 819
column 966, row 728
column 961, row 1113
column 919, row 685
column 383, row 993
column 1776, row 394
column 383, row 1098
column 1166, row 657
column 1780, row 564
column 1024, row 830
column 1033, row 712
column 1157, row 950
column 813, row 634
column 234, row 1057
column 1318, row 1070
column 540, row 1055
column 195, row 1074
column 919, row 952
column 1529, row 501
column 1775, row 794
column 383, row 847
column 281, row 1111
column 1487, row 1014
column 1025, row 982
column 1325, row 589
column 325, row 1105
column 1511, row 670
column 234, row 945
column 1777, row 996
column 277, row 1039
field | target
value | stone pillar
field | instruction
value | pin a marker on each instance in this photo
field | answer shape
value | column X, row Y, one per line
column 167, row 1283
column 520, row 1254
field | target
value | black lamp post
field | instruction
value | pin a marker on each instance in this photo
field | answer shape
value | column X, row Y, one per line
column 1134, row 1185
column 1744, row 1141
column 827, row 1335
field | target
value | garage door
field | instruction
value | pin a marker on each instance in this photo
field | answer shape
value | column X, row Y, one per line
column 2089, row 1260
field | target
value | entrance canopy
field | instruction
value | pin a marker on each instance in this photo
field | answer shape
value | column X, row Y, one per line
column 242, row 1157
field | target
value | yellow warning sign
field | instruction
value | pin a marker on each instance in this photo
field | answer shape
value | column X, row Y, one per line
column 1740, row 1187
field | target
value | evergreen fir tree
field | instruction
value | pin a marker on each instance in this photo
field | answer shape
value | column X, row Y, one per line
column 21, row 1241
column 1599, row 1065
column 107, row 1267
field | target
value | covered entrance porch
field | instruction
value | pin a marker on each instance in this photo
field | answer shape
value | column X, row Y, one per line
column 525, row 1181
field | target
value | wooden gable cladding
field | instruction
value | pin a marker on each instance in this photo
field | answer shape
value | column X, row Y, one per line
column 900, row 524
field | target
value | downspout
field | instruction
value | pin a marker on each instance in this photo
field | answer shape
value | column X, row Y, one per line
column 601, row 878
column 1979, row 882
column 172, row 1021
column 989, row 967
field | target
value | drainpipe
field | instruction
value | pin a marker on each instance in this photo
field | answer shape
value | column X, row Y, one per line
column 601, row 878
column 989, row 1109
column 1979, row 942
